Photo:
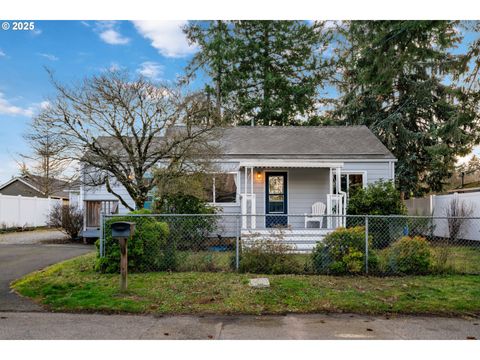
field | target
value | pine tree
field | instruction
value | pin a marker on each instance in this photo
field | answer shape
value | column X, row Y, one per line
column 215, row 42
column 263, row 72
column 396, row 78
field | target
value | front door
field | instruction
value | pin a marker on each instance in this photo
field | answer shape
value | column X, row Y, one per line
column 276, row 199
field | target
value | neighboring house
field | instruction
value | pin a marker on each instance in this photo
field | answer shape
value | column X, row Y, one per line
column 74, row 193
column 32, row 185
column 270, row 174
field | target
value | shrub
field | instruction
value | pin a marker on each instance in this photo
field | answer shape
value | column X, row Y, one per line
column 150, row 249
column 457, row 212
column 421, row 226
column 343, row 252
column 269, row 257
column 410, row 255
column 189, row 232
column 67, row 217
column 380, row 198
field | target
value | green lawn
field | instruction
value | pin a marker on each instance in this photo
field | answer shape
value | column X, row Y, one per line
column 74, row 286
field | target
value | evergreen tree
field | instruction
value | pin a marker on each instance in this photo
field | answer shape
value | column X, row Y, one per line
column 215, row 42
column 396, row 78
column 263, row 72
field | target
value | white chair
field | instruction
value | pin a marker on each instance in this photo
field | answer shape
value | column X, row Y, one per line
column 318, row 210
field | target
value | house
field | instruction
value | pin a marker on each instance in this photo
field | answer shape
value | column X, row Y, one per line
column 33, row 186
column 273, row 175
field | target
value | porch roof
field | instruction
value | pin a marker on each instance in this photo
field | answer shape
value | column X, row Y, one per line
column 289, row 163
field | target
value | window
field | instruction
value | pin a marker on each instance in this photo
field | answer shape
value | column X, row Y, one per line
column 221, row 188
column 349, row 182
column 225, row 188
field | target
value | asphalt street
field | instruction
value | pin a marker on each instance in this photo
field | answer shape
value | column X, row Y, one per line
column 20, row 325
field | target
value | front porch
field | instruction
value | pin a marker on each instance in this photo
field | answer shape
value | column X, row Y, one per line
column 277, row 196
column 297, row 240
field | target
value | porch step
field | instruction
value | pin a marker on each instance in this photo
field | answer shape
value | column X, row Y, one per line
column 301, row 240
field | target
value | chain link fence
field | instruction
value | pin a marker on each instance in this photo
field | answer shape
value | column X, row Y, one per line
column 296, row 244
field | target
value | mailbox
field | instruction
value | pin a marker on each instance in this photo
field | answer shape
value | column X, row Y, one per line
column 123, row 229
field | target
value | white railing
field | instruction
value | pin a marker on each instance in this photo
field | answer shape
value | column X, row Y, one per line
column 248, row 206
column 336, row 205
column 23, row 211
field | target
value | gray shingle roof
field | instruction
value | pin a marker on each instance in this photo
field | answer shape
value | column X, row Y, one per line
column 332, row 142
column 58, row 187
column 315, row 142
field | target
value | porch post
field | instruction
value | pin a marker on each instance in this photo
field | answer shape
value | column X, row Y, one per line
column 244, row 200
column 330, row 181
column 338, row 182
column 251, row 180
column 329, row 198
column 338, row 199
column 246, row 179
column 252, row 201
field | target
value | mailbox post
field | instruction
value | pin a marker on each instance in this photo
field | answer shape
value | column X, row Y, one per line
column 122, row 231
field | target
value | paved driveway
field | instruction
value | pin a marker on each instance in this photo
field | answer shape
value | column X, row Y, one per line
column 32, row 237
column 19, row 260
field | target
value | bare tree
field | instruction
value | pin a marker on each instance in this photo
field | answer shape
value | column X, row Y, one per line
column 122, row 129
column 457, row 213
column 47, row 157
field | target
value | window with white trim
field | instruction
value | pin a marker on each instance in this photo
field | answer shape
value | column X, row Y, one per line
column 349, row 182
column 221, row 188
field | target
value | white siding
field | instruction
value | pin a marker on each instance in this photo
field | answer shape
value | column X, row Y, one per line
column 99, row 193
column 228, row 226
column 305, row 186
column 375, row 170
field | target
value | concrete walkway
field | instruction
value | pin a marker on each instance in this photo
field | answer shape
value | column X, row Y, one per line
column 341, row 326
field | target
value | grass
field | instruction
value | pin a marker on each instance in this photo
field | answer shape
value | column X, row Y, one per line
column 74, row 286
column 445, row 259
column 459, row 259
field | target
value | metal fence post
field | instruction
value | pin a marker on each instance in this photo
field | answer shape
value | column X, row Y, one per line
column 237, row 244
column 366, row 244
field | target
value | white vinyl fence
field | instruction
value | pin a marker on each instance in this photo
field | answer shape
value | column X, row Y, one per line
column 437, row 205
column 22, row 211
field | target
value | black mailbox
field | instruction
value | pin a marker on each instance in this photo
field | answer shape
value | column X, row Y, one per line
column 123, row 229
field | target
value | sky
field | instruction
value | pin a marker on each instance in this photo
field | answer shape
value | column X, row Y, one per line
column 73, row 50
